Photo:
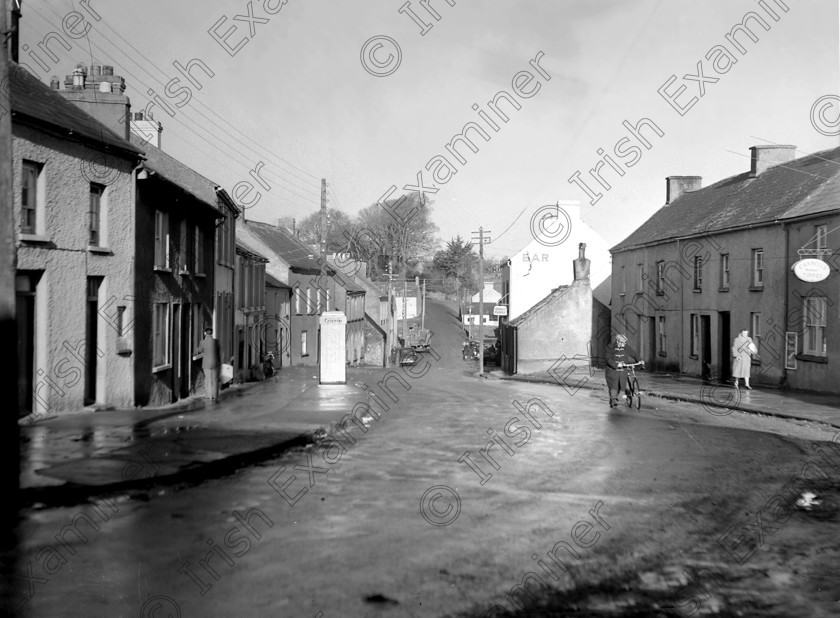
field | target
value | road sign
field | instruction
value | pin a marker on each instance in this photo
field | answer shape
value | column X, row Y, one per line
column 500, row 310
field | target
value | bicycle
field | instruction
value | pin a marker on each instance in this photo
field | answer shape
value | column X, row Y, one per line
column 633, row 392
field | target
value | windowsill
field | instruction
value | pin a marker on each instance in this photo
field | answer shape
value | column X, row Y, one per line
column 162, row 269
column 184, row 273
column 694, row 356
column 304, row 355
column 812, row 358
column 660, row 292
column 697, row 290
column 622, row 295
column 98, row 249
column 161, row 368
column 723, row 289
column 34, row 238
column 661, row 354
column 200, row 275
column 756, row 288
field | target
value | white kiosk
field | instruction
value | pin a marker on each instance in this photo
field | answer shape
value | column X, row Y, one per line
column 333, row 344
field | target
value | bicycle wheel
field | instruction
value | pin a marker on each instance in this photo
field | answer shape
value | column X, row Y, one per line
column 637, row 395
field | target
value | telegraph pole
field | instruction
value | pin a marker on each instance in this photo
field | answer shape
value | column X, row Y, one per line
column 423, row 315
column 483, row 236
column 324, row 219
column 405, row 311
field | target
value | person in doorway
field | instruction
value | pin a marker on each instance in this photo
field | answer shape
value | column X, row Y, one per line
column 743, row 349
column 211, row 365
column 618, row 355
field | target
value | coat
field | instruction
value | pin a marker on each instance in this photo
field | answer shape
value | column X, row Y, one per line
column 742, row 350
column 615, row 356
column 211, row 352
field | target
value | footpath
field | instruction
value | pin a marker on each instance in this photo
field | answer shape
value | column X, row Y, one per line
column 718, row 398
column 68, row 459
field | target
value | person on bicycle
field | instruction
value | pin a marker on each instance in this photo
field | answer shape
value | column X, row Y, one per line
column 618, row 355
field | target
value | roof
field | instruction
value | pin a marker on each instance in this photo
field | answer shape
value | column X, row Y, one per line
column 473, row 308
column 273, row 282
column 293, row 251
column 36, row 103
column 171, row 169
column 804, row 186
column 524, row 317
column 244, row 250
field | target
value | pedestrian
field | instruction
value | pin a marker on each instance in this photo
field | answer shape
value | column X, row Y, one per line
column 743, row 349
column 211, row 365
column 618, row 354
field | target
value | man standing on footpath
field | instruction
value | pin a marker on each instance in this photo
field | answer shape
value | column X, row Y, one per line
column 211, row 365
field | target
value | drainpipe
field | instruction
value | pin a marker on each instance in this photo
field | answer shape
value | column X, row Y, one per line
column 682, row 310
column 786, row 228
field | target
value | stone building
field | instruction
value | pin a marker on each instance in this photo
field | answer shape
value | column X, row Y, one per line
column 75, row 244
column 176, row 218
column 250, row 343
column 715, row 260
column 555, row 333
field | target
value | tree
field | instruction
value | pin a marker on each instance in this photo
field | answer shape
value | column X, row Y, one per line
column 400, row 232
column 338, row 222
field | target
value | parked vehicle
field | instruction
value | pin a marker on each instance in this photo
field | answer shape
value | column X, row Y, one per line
column 470, row 350
column 420, row 339
column 408, row 357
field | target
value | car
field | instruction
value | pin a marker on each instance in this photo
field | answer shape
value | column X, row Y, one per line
column 408, row 357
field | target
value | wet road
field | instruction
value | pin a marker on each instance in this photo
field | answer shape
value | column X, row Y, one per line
column 621, row 510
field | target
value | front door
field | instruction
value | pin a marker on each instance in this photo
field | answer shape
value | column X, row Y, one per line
column 706, row 346
column 91, row 339
column 176, row 351
column 25, row 314
column 725, row 347
column 186, row 351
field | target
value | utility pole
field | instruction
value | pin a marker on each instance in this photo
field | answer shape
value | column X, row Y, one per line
column 9, row 442
column 423, row 314
column 405, row 311
column 482, row 238
column 324, row 219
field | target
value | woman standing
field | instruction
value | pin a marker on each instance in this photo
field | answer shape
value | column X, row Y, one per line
column 743, row 349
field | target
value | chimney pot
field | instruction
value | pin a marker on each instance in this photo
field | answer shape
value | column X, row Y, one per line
column 675, row 186
column 768, row 155
column 55, row 84
column 107, row 70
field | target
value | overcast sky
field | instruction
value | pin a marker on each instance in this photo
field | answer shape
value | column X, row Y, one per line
column 297, row 97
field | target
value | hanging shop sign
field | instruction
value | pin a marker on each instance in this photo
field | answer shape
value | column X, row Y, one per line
column 500, row 310
column 811, row 270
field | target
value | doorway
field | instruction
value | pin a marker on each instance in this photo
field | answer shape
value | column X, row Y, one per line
column 176, row 351
column 706, row 346
column 25, row 315
column 92, row 339
column 725, row 345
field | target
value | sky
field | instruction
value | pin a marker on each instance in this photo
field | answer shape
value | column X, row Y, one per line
column 314, row 90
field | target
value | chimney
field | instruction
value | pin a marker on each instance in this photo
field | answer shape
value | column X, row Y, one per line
column 100, row 94
column 675, row 186
column 14, row 29
column 147, row 128
column 581, row 266
column 765, row 156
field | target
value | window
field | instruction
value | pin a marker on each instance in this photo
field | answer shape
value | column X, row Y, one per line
column 120, row 320
column 161, row 240
column 94, row 213
column 821, row 235
column 660, row 340
column 660, row 278
column 328, row 300
column 695, row 335
column 184, row 253
column 698, row 273
column 724, row 271
column 198, row 243
column 297, row 299
column 304, row 349
column 755, row 329
column 309, row 300
column 623, row 282
column 640, row 283
column 791, row 349
column 197, row 328
column 814, row 337
column 160, row 337
column 758, row 268
column 29, row 197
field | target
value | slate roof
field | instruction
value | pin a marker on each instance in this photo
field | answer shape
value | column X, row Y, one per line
column 33, row 102
column 243, row 249
column 171, row 169
column 488, row 308
column 804, row 186
column 273, row 282
column 524, row 317
column 295, row 252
